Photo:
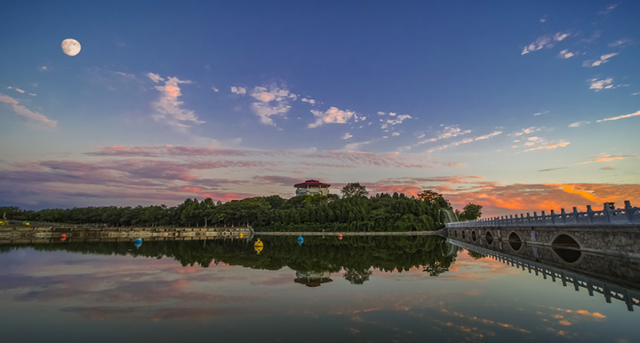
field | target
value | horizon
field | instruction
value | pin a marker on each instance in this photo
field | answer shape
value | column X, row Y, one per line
column 518, row 107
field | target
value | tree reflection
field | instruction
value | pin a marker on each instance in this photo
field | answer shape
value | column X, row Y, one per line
column 357, row 256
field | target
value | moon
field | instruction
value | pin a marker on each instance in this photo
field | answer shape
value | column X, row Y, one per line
column 71, row 47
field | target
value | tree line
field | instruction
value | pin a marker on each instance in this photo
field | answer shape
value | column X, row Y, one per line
column 354, row 211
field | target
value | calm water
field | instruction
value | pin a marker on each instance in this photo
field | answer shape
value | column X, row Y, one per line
column 379, row 289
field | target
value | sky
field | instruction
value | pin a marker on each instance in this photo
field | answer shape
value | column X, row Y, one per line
column 517, row 106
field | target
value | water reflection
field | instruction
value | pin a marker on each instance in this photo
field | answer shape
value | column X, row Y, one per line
column 397, row 288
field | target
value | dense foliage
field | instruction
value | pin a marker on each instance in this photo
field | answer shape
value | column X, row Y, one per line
column 353, row 212
column 355, row 255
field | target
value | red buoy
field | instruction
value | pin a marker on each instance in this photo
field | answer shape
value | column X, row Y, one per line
column 63, row 237
column 340, row 236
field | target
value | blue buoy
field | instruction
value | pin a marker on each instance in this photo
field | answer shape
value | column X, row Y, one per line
column 300, row 240
column 137, row 242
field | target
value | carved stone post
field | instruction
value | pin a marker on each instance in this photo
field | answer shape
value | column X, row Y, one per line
column 590, row 213
column 628, row 210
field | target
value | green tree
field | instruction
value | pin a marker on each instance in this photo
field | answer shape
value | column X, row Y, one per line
column 470, row 212
column 354, row 190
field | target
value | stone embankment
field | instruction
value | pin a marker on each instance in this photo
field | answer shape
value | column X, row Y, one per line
column 41, row 234
column 316, row 233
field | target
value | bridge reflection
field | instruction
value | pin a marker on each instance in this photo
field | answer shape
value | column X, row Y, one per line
column 613, row 277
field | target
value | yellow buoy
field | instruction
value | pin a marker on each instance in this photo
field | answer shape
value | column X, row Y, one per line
column 240, row 235
column 258, row 246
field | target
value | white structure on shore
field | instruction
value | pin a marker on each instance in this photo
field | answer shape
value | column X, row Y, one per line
column 312, row 187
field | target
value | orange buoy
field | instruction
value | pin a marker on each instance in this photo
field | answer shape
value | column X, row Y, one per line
column 63, row 237
column 340, row 236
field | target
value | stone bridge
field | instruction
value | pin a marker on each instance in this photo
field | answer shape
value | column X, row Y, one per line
column 610, row 231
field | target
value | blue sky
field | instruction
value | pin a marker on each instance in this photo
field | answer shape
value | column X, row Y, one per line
column 515, row 105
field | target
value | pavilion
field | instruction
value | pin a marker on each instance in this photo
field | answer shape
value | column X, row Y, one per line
column 312, row 187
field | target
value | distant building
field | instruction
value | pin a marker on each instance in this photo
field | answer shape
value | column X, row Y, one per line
column 312, row 187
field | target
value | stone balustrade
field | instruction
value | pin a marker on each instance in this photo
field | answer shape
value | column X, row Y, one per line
column 615, row 216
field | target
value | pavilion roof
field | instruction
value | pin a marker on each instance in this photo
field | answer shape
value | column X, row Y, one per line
column 311, row 182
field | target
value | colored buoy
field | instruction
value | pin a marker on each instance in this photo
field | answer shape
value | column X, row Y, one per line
column 300, row 240
column 137, row 242
column 63, row 237
column 340, row 236
column 258, row 246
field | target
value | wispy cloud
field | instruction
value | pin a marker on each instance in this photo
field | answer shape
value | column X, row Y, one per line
column 600, row 84
column 539, row 113
column 447, row 132
column 620, row 117
column 525, row 131
column 347, row 136
column 545, row 41
column 550, row 146
column 465, row 141
column 168, row 107
column 332, row 115
column 19, row 90
column 126, row 76
column 27, row 114
column 603, row 59
column 606, row 158
column 215, row 89
column 7, row 99
column 579, row 123
column 565, row 54
column 311, row 101
column 271, row 101
column 620, row 42
column 608, row 9
column 155, row 77
column 239, row 90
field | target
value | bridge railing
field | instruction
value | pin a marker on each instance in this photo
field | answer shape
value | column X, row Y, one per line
column 608, row 215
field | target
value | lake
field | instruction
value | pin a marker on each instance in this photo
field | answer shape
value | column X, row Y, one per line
column 354, row 289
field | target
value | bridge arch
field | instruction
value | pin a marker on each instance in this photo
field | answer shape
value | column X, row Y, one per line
column 474, row 236
column 515, row 242
column 566, row 247
column 488, row 237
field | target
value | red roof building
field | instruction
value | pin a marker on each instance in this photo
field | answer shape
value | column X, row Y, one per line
column 312, row 187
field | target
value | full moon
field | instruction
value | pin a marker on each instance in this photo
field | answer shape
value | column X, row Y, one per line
column 70, row 47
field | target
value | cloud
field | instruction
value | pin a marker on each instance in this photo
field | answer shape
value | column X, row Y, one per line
column 447, row 132
column 311, row 101
column 8, row 100
column 215, row 89
column 127, row 76
column 620, row 117
column 395, row 134
column 32, row 94
column 545, row 41
column 355, row 146
column 525, row 131
column 34, row 116
column 272, row 101
column 239, row 90
column 636, row 93
column 381, row 113
column 565, row 54
column 493, row 134
column 25, row 113
column 603, row 59
column 168, row 108
column 155, row 77
column 19, row 90
column 608, row 9
column 539, row 113
column 347, row 136
column 620, row 42
column 399, row 119
column 606, row 158
column 601, row 84
column 576, row 124
column 465, row 141
column 533, row 138
column 550, row 146
column 332, row 115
